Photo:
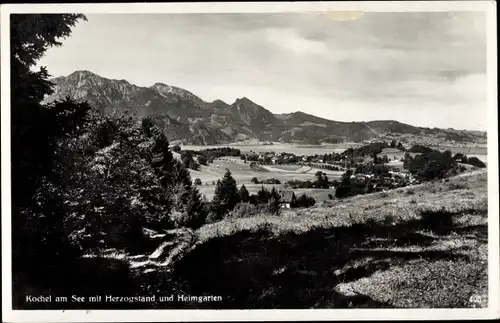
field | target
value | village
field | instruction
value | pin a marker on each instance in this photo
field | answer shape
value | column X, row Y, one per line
column 322, row 176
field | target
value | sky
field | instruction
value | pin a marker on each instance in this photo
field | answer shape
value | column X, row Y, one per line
column 425, row 69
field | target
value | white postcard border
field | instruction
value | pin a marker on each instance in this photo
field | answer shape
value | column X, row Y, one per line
column 489, row 7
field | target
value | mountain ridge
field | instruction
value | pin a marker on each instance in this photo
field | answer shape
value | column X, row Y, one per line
column 187, row 118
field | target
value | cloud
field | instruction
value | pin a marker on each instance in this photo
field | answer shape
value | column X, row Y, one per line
column 289, row 39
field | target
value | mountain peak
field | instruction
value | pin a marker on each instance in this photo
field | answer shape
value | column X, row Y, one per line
column 83, row 73
column 166, row 90
column 245, row 101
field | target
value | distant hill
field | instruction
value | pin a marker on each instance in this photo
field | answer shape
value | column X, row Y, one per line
column 188, row 119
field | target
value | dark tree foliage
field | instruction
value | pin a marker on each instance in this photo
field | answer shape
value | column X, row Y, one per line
column 274, row 201
column 304, row 201
column 432, row 165
column 244, row 194
column 196, row 210
column 370, row 150
column 345, row 188
column 420, row 149
column 147, row 124
column 203, row 160
column 474, row 161
column 36, row 127
column 226, row 194
column 321, row 180
column 36, row 130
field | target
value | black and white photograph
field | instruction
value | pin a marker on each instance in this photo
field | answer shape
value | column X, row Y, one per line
column 305, row 158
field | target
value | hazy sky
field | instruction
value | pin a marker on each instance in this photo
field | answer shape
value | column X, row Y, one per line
column 425, row 69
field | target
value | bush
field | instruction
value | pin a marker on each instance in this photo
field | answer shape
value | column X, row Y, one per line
column 304, row 201
column 433, row 165
column 246, row 210
column 203, row 160
column 474, row 161
column 270, row 181
column 439, row 222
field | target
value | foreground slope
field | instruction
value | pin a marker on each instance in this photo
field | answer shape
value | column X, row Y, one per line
column 423, row 246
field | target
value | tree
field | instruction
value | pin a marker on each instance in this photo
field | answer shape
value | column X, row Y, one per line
column 37, row 131
column 393, row 143
column 254, row 180
column 293, row 202
column 226, row 193
column 385, row 159
column 244, row 194
column 345, row 187
column 203, row 160
column 321, row 180
column 176, row 149
column 274, row 201
column 263, row 195
column 305, row 201
column 474, row 161
column 36, row 127
column 196, row 210
column 197, row 181
column 147, row 124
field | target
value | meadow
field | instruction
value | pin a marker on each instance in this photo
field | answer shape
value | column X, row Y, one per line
column 423, row 246
column 243, row 175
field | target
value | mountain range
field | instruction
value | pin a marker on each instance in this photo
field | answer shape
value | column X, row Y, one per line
column 188, row 119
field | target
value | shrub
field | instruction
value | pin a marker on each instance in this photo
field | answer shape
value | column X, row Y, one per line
column 303, row 201
column 439, row 222
column 474, row 161
column 457, row 186
column 203, row 160
column 388, row 220
column 245, row 210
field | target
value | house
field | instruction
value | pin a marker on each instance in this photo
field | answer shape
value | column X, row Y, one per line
column 287, row 197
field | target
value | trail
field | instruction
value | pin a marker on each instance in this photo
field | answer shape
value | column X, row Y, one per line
column 167, row 253
column 174, row 244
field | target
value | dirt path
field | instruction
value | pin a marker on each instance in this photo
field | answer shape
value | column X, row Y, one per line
column 168, row 252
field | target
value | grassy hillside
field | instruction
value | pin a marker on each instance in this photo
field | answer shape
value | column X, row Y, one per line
column 424, row 246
